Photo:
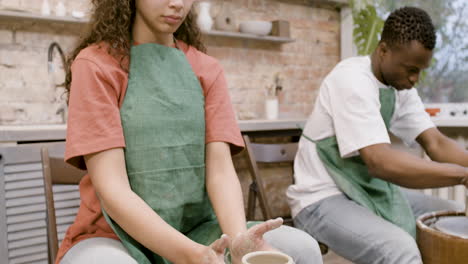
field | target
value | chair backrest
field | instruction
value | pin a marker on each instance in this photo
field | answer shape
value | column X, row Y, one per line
column 55, row 171
column 268, row 153
column 265, row 153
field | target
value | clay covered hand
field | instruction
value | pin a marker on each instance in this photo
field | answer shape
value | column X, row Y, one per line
column 214, row 254
column 252, row 240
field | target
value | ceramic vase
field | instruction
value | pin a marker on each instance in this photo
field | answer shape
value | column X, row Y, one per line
column 204, row 20
column 271, row 108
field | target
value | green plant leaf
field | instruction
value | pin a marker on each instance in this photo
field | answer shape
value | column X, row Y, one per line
column 367, row 28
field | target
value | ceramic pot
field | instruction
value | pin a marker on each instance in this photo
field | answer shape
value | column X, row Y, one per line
column 261, row 28
column 267, row 257
column 204, row 20
column 225, row 20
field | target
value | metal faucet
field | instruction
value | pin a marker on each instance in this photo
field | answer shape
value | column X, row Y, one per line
column 62, row 110
column 50, row 57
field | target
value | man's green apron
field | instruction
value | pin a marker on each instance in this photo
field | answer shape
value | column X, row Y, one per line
column 163, row 119
column 352, row 177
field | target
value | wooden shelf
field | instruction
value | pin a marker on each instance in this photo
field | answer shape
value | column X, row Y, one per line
column 26, row 16
column 241, row 35
column 339, row 3
column 333, row 3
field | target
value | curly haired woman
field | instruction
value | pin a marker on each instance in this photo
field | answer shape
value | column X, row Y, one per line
column 148, row 112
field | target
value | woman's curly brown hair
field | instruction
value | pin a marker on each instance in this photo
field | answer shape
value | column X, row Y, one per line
column 112, row 22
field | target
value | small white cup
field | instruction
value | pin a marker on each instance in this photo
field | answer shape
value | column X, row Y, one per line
column 266, row 257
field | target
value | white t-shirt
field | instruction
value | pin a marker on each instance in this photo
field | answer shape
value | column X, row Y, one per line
column 348, row 107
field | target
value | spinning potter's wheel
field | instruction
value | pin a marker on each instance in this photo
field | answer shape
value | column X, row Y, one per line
column 454, row 225
column 443, row 237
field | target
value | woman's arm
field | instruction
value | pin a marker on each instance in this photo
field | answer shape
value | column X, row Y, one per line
column 109, row 177
column 226, row 197
column 224, row 189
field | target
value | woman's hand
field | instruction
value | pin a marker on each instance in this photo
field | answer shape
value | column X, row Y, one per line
column 252, row 240
column 213, row 254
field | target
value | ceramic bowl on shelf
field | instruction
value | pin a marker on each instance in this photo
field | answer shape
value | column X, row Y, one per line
column 262, row 28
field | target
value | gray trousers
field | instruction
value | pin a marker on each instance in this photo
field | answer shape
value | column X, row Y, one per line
column 359, row 235
column 294, row 242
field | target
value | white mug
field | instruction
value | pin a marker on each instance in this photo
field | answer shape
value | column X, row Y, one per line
column 266, row 257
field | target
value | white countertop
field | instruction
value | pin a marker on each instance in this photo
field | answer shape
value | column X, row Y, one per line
column 58, row 132
column 277, row 124
column 259, row 125
column 32, row 133
column 450, row 121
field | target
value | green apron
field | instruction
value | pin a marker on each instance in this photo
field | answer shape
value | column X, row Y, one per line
column 163, row 119
column 352, row 177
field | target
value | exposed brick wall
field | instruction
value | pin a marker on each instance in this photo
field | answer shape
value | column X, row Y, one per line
column 27, row 98
column 251, row 65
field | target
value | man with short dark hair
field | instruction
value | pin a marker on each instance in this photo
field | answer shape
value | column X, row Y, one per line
column 346, row 172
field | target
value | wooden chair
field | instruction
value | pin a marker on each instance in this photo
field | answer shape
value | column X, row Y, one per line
column 268, row 153
column 55, row 171
column 264, row 153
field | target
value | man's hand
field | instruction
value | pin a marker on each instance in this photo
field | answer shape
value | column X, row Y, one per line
column 464, row 181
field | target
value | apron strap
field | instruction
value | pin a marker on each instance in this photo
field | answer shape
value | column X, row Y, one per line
column 304, row 135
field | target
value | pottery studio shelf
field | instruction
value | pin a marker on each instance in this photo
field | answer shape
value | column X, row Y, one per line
column 241, row 35
column 20, row 16
column 32, row 17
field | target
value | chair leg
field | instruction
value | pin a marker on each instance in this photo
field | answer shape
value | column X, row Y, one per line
column 252, row 201
column 323, row 248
